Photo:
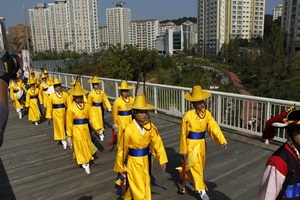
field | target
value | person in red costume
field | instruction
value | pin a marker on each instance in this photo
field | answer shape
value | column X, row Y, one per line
column 281, row 179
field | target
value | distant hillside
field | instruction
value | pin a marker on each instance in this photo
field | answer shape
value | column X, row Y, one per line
column 180, row 20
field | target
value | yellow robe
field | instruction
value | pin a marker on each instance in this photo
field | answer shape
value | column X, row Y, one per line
column 13, row 89
column 196, row 148
column 56, row 111
column 137, row 168
column 121, row 120
column 94, row 100
column 32, row 100
column 82, row 144
column 43, row 94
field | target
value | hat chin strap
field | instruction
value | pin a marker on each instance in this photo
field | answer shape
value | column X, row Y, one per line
column 295, row 148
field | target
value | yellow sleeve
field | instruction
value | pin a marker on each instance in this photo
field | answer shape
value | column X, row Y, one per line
column 115, row 112
column 106, row 102
column 11, row 92
column 69, row 123
column 49, row 109
column 122, row 152
column 183, row 135
column 27, row 99
column 214, row 130
column 157, row 146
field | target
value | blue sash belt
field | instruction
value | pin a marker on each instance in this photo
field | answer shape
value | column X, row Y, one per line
column 16, row 91
column 125, row 113
column 292, row 191
column 45, row 89
column 58, row 105
column 139, row 152
column 34, row 97
column 196, row 135
column 97, row 104
column 80, row 121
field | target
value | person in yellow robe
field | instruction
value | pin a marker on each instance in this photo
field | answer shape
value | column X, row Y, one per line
column 139, row 138
column 34, row 77
column 56, row 110
column 194, row 124
column 121, row 113
column 122, row 116
column 97, row 99
column 32, row 102
column 15, row 87
column 43, row 91
column 49, row 80
column 79, row 137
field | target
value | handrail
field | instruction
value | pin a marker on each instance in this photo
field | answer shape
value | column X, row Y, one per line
column 236, row 112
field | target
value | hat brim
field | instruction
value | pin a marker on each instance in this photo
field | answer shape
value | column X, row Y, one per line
column 77, row 93
column 91, row 81
column 189, row 97
column 123, row 88
column 284, row 125
column 147, row 107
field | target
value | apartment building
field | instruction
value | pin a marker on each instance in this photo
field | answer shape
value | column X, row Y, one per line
column 143, row 33
column 39, row 17
column 219, row 21
column 65, row 25
column 118, row 22
column 277, row 12
column 83, row 28
column 163, row 27
column 103, row 37
column 58, row 27
column 190, row 35
column 16, row 37
column 3, row 39
column 290, row 22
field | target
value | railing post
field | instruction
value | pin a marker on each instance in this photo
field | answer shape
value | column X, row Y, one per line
column 219, row 111
column 102, row 85
column 155, row 99
column 268, row 113
column 66, row 81
column 182, row 102
column 117, row 91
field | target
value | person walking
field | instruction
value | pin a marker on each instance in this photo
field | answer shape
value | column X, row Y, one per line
column 34, row 77
column 33, row 102
column 97, row 99
column 18, row 94
column 194, row 124
column 78, row 133
column 56, row 110
column 281, row 179
column 121, row 113
column 140, row 137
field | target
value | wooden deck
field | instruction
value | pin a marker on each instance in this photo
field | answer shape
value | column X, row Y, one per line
column 33, row 166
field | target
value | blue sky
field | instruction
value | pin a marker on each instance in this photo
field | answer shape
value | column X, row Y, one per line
column 12, row 10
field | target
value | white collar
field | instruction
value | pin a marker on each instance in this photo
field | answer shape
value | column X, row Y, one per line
column 141, row 129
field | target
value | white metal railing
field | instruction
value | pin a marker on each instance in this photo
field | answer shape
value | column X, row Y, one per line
column 236, row 112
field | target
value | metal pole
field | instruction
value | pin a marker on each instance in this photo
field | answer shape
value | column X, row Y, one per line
column 26, row 33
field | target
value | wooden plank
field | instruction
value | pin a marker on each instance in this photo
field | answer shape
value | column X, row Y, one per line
column 33, row 166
